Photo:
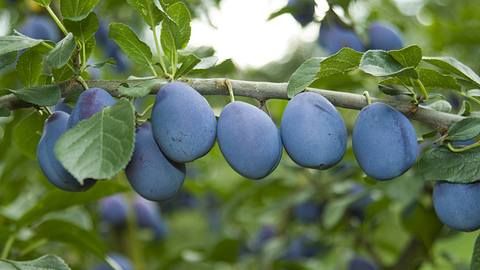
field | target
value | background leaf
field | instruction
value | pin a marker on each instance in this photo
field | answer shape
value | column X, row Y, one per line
column 26, row 133
column 10, row 44
column 47, row 262
column 29, row 67
column 85, row 29
column 62, row 52
column 454, row 66
column 77, row 10
column 134, row 48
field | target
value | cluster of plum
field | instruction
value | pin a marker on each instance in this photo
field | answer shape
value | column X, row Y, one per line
column 335, row 35
column 183, row 128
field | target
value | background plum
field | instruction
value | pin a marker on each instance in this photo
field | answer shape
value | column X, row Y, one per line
column 333, row 37
column 121, row 260
column 302, row 10
column 113, row 210
column 384, row 142
column 149, row 172
column 55, row 126
column 183, row 123
column 313, row 132
column 308, row 212
column 301, row 247
column 249, row 140
column 384, row 37
column 359, row 263
column 40, row 27
column 110, row 48
column 458, row 205
column 89, row 103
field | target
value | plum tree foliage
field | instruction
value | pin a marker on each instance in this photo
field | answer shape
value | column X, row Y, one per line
column 129, row 127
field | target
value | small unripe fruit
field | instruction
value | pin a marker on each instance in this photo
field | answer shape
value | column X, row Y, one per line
column 89, row 103
column 384, row 142
column 249, row 140
column 149, row 172
column 313, row 132
column 55, row 126
column 183, row 123
column 458, row 205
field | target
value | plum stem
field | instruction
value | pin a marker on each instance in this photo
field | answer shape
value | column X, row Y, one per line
column 422, row 89
column 463, row 148
column 8, row 246
column 229, row 86
column 57, row 21
column 367, row 97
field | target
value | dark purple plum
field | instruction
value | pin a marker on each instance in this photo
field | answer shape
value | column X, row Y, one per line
column 308, row 212
column 359, row 263
column 149, row 172
column 313, row 132
column 114, row 210
column 55, row 126
column 334, row 37
column 40, row 27
column 183, row 123
column 148, row 216
column 458, row 205
column 249, row 140
column 384, row 37
column 302, row 10
column 63, row 107
column 384, row 142
column 121, row 260
column 89, row 103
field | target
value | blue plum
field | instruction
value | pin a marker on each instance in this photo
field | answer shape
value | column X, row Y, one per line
column 40, row 27
column 62, row 106
column 384, row 37
column 300, row 248
column 148, row 216
column 121, row 260
column 359, row 263
column 89, row 103
column 265, row 234
column 110, row 48
column 55, row 126
column 313, row 132
column 113, row 210
column 358, row 207
column 249, row 140
column 334, row 37
column 458, row 205
column 384, row 142
column 302, row 10
column 149, row 172
column 308, row 212
column 183, row 123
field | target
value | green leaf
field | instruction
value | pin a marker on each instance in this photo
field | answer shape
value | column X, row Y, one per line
column 180, row 27
column 57, row 200
column 381, row 64
column 466, row 129
column 430, row 78
column 45, row 95
column 414, row 218
column 441, row 106
column 335, row 210
column 10, row 44
column 7, row 59
column 168, row 44
column 43, row 3
column 439, row 163
column 138, row 89
column 189, row 62
column 26, row 133
column 408, row 57
column 151, row 13
column 101, row 146
column 62, row 52
column 343, row 61
column 47, row 262
column 454, row 66
column 69, row 233
column 475, row 262
column 305, row 75
column 4, row 112
column 283, row 10
column 77, row 10
column 29, row 67
column 84, row 29
column 134, row 48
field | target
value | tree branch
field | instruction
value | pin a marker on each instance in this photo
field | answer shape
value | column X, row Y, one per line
column 263, row 91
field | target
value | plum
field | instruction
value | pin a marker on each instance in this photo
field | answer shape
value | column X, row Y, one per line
column 384, row 142
column 313, row 132
column 89, row 103
column 148, row 216
column 121, row 260
column 334, row 37
column 149, row 172
column 266, row 233
column 55, row 126
column 302, row 10
column 301, row 247
column 110, row 48
column 113, row 210
column 183, row 123
column 458, row 205
column 384, row 37
column 249, row 140
column 62, row 106
column 40, row 27
column 359, row 263
column 308, row 212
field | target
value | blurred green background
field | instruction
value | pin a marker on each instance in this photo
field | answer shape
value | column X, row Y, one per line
column 296, row 218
